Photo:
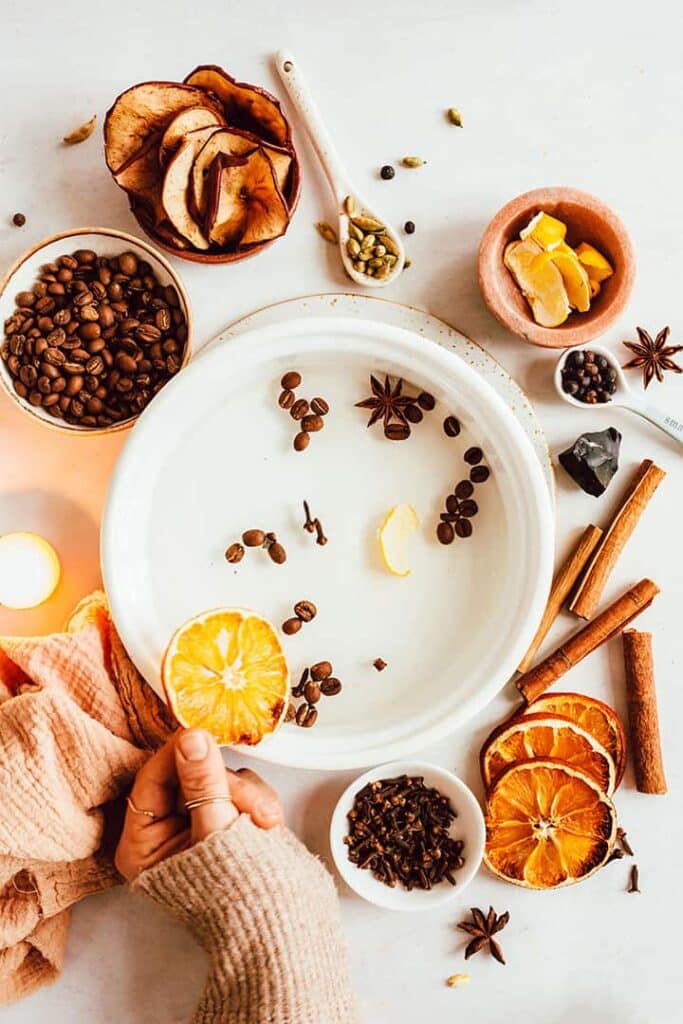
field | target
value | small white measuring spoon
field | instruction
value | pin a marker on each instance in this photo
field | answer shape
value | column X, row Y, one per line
column 339, row 181
column 624, row 396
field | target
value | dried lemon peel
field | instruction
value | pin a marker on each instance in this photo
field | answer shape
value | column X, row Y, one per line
column 540, row 283
column 395, row 534
column 580, row 270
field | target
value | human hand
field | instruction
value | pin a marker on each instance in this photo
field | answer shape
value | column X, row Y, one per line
column 188, row 767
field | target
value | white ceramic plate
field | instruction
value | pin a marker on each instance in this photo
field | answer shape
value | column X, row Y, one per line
column 212, row 457
column 410, row 318
column 468, row 826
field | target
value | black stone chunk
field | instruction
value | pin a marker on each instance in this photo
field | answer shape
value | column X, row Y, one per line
column 593, row 460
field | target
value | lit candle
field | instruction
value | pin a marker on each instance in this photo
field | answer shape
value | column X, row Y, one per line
column 29, row 570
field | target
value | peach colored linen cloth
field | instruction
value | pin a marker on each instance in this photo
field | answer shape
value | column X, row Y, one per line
column 76, row 721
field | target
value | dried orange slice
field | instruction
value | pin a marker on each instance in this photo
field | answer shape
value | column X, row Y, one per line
column 546, row 736
column 592, row 715
column 547, row 825
column 225, row 671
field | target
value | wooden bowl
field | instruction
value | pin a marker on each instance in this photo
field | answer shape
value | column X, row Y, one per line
column 588, row 220
column 106, row 242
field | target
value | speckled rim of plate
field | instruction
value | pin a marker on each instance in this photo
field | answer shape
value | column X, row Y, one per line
column 397, row 314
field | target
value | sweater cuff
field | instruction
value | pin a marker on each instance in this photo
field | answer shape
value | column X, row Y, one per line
column 267, row 912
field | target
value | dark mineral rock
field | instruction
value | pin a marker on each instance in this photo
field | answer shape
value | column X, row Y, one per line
column 593, row 460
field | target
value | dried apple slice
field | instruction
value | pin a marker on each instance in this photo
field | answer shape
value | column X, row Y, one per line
column 251, row 209
column 189, row 120
column 141, row 111
column 246, row 106
column 233, row 142
column 175, row 188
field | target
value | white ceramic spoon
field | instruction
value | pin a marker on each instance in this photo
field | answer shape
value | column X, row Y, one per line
column 339, row 181
column 624, row 396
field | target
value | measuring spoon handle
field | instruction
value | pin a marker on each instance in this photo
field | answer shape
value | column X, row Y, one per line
column 671, row 425
column 301, row 97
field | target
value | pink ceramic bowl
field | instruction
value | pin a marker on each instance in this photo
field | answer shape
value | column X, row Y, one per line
column 587, row 220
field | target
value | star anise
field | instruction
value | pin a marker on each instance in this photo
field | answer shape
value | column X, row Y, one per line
column 388, row 404
column 653, row 356
column 483, row 928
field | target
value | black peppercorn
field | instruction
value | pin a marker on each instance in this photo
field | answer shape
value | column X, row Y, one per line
column 387, row 172
column 409, row 227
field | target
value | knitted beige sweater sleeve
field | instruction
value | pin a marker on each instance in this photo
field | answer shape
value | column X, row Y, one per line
column 267, row 913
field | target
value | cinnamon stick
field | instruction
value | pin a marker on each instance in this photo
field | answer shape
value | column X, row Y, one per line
column 646, row 749
column 644, row 484
column 565, row 578
column 605, row 625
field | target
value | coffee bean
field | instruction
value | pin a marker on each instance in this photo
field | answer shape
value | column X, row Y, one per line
column 478, row 474
column 128, row 263
column 312, row 691
column 28, row 375
column 286, row 399
column 444, row 532
column 301, row 441
column 80, row 355
column 54, row 356
column 306, row 716
column 426, row 401
column 464, row 489
column 452, row 504
column 319, row 406
column 173, row 364
column 299, row 409
column 330, row 686
column 463, row 528
column 312, row 424
column 147, row 334
column 69, row 367
column 35, row 398
column 50, row 400
column 253, row 538
column 473, row 455
column 397, row 431
column 25, row 299
column 321, row 670
column 277, row 553
column 74, row 385
column 44, row 385
column 291, row 381
column 413, row 413
column 469, row 508
column 94, row 406
column 125, row 363
column 291, row 626
column 451, row 426
column 305, row 610
column 20, row 388
column 95, row 365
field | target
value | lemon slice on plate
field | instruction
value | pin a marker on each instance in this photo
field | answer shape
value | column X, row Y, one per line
column 395, row 535
column 225, row 671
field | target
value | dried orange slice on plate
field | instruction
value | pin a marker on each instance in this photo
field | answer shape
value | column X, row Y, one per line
column 592, row 715
column 225, row 671
column 546, row 736
column 547, row 825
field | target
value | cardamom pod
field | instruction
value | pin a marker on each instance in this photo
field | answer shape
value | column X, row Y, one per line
column 379, row 250
column 390, row 245
column 382, row 272
column 350, row 206
column 368, row 224
column 360, row 266
column 390, row 260
column 407, row 263
column 327, row 231
column 412, row 161
column 82, row 133
column 353, row 248
column 375, row 262
column 355, row 232
column 454, row 116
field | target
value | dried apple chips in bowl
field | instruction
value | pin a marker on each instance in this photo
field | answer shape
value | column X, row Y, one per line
column 208, row 164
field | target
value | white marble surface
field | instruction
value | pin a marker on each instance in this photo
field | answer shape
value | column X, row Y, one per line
column 583, row 94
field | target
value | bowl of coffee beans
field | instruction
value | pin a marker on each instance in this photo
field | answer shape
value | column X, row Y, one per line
column 95, row 323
